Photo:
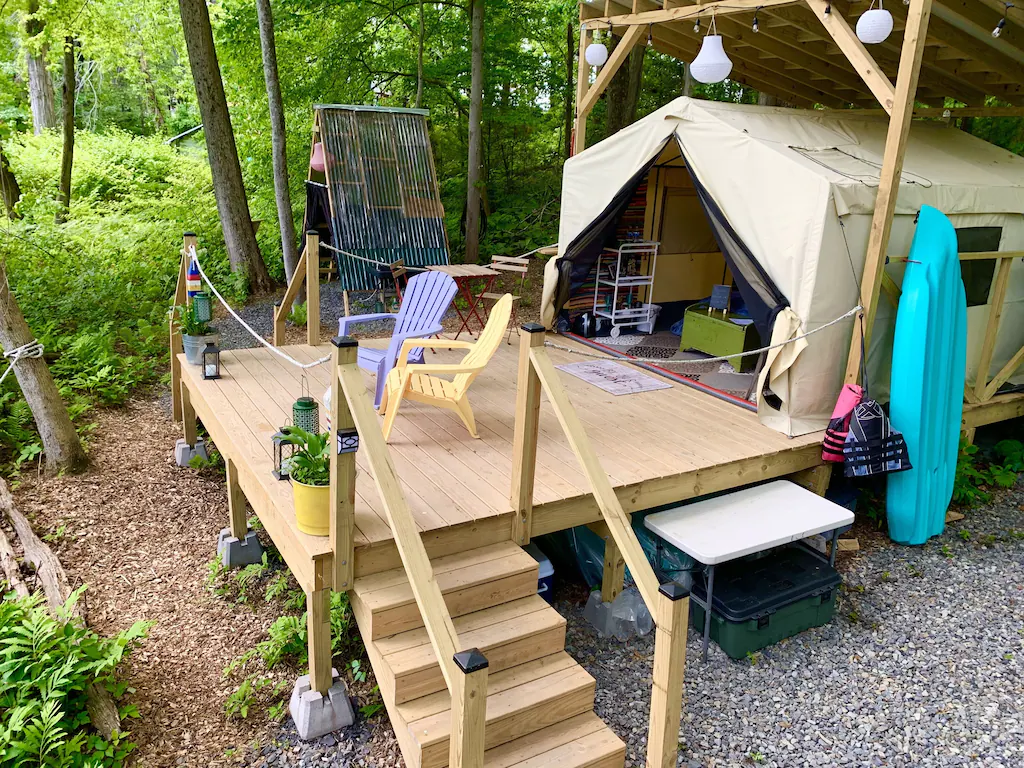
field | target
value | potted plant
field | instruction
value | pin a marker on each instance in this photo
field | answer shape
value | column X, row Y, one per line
column 195, row 334
column 309, row 469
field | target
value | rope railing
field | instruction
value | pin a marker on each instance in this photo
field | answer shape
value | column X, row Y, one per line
column 31, row 349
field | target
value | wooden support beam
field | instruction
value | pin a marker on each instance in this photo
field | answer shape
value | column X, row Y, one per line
column 815, row 479
column 891, row 290
column 892, row 168
column 579, row 140
column 604, row 76
column 318, row 631
column 188, row 416
column 312, row 288
column 469, row 709
column 689, row 12
column 952, row 112
column 613, row 577
column 856, row 53
column 995, row 313
column 343, row 471
column 236, row 502
column 999, row 408
column 282, row 310
column 673, row 611
column 524, row 441
column 188, row 242
column 1004, row 374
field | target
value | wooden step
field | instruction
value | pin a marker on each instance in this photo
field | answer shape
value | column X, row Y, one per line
column 507, row 634
column 520, row 701
column 471, row 580
column 583, row 741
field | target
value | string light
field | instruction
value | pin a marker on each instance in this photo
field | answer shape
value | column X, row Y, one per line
column 650, row 34
column 1002, row 22
column 696, row 25
column 755, row 27
column 828, row 12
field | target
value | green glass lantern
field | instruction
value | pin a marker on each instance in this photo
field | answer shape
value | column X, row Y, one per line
column 202, row 308
column 306, row 415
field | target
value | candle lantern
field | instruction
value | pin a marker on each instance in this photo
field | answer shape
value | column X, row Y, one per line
column 283, row 451
column 348, row 440
column 202, row 309
column 306, row 415
column 211, row 361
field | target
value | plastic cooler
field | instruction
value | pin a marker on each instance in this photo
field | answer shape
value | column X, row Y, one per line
column 758, row 602
column 545, row 572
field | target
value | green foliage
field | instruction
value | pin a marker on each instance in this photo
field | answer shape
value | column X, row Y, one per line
column 46, row 664
column 311, row 462
column 185, row 321
column 298, row 314
column 1011, row 454
column 975, row 476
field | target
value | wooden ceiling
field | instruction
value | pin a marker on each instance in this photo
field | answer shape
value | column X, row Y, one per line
column 794, row 57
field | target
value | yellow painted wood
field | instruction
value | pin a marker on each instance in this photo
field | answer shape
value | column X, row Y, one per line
column 667, row 687
column 236, row 501
column 996, row 302
column 343, row 480
column 312, row 289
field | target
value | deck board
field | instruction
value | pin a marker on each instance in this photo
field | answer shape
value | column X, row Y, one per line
column 658, row 446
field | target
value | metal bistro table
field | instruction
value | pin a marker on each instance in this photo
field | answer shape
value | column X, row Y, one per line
column 741, row 523
column 463, row 274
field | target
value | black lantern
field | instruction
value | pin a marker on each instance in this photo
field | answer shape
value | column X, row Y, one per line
column 281, row 445
column 211, row 361
column 348, row 440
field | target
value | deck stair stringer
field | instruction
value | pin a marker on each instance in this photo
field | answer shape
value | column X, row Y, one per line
column 539, row 708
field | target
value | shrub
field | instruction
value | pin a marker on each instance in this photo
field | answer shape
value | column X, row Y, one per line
column 46, row 665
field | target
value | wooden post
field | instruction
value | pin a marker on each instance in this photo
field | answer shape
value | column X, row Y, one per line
column 343, row 468
column 613, row 579
column 312, row 288
column 524, row 443
column 284, row 307
column 669, row 666
column 914, row 36
column 815, row 479
column 582, row 85
column 318, row 628
column 469, row 707
column 188, row 417
column 995, row 314
column 236, row 503
column 189, row 241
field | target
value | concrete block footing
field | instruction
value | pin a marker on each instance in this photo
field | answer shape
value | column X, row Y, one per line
column 184, row 453
column 315, row 714
column 235, row 553
column 599, row 614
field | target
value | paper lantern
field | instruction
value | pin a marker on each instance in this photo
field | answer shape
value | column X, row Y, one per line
column 316, row 162
column 711, row 65
column 596, row 54
column 874, row 25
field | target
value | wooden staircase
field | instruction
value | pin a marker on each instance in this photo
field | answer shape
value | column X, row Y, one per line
column 539, row 700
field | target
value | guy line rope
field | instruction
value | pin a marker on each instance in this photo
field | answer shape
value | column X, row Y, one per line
column 31, row 349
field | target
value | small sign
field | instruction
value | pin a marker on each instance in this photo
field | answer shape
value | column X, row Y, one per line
column 720, row 295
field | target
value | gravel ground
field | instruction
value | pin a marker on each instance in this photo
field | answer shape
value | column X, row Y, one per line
column 922, row 666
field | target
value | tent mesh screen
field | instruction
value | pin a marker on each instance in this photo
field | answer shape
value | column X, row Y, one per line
column 384, row 197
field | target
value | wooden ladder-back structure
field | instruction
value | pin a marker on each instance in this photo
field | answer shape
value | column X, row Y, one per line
column 806, row 53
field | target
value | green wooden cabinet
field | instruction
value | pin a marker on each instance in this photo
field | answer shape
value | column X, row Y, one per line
column 716, row 335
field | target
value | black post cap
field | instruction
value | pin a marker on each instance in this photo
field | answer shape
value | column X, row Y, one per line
column 344, row 341
column 277, row 303
column 673, row 590
column 533, row 328
column 188, row 234
column 312, row 232
column 471, row 660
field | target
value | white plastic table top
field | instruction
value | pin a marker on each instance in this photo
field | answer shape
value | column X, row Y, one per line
column 735, row 524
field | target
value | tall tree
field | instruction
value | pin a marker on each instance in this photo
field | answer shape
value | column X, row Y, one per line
column 279, row 151
column 476, row 105
column 61, row 445
column 624, row 91
column 228, row 187
column 10, row 191
column 67, row 156
column 40, row 84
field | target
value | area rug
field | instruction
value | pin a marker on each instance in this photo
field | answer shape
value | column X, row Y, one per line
column 612, row 377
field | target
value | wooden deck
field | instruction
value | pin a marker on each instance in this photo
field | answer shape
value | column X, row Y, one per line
column 658, row 447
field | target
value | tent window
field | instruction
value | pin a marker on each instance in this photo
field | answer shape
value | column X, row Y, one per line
column 977, row 275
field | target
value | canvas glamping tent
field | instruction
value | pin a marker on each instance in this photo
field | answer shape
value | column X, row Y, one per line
column 787, row 196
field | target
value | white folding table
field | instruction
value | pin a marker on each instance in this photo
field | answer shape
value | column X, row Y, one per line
column 732, row 525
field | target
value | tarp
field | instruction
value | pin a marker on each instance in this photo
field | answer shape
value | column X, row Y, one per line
column 798, row 188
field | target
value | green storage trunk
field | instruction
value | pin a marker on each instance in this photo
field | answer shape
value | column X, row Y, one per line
column 717, row 335
column 758, row 602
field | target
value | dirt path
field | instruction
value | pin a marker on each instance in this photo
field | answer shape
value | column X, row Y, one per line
column 140, row 532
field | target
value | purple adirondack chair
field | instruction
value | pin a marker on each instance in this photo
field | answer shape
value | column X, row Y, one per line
column 424, row 302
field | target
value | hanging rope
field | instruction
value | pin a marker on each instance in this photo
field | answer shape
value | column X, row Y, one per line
column 413, row 269
column 283, row 355
column 703, row 360
column 32, row 349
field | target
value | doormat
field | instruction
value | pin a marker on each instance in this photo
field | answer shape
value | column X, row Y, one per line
column 612, row 377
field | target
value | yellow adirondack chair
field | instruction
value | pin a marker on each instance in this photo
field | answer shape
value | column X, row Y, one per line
column 418, row 381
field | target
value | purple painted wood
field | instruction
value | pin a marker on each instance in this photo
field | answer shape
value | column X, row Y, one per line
column 427, row 297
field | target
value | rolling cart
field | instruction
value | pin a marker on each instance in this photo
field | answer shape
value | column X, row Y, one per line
column 626, row 270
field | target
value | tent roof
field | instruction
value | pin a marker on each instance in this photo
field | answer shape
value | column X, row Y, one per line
column 794, row 58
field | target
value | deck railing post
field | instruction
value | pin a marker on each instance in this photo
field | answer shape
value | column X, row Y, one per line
column 469, row 707
column 188, row 241
column 312, row 288
column 318, row 629
column 673, row 610
column 524, row 444
column 345, row 442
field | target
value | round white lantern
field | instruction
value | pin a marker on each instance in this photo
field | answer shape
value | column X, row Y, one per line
column 596, row 54
column 711, row 64
column 874, row 25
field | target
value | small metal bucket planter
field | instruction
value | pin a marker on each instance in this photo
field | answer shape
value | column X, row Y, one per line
column 194, row 346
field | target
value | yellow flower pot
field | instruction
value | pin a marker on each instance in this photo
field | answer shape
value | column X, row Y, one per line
column 312, row 508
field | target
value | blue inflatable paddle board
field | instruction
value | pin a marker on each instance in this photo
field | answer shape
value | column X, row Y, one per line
column 929, row 360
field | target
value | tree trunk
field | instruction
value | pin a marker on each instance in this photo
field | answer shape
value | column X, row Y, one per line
column 282, row 194
column 687, row 81
column 9, row 189
column 476, row 103
column 766, row 99
column 228, row 187
column 419, row 61
column 40, row 85
column 624, row 91
column 570, row 87
column 67, row 156
column 634, row 81
column 60, row 441
column 154, row 99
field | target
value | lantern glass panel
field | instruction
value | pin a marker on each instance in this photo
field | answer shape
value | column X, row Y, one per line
column 211, row 361
column 306, row 415
column 282, row 453
column 202, row 309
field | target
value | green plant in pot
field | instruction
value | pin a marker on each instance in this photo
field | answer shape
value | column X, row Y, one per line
column 195, row 334
column 309, row 469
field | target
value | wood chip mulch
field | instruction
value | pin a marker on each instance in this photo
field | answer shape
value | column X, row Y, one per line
column 140, row 532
